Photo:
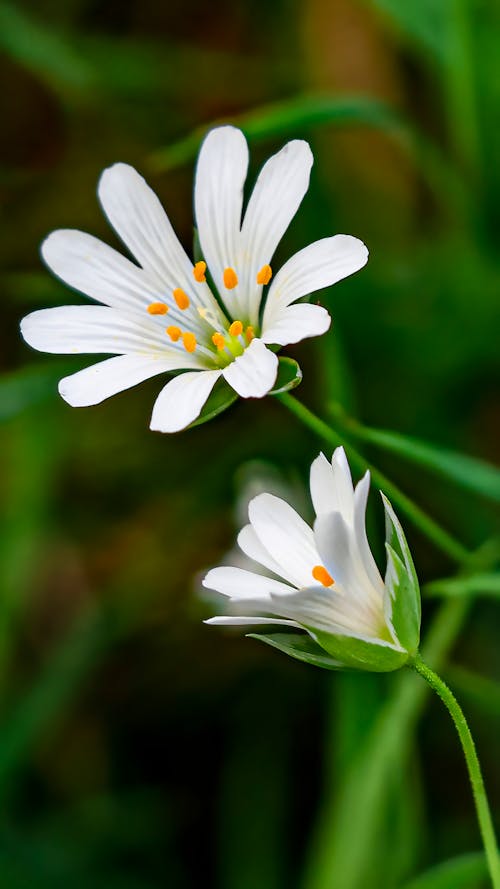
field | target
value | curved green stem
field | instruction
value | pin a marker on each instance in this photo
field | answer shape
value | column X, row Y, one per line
column 474, row 769
column 442, row 539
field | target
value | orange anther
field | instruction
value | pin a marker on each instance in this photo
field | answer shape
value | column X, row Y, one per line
column 321, row 575
column 181, row 298
column 157, row 309
column 189, row 341
column 265, row 275
column 236, row 328
column 230, row 278
column 199, row 271
column 174, row 333
column 249, row 334
column 219, row 341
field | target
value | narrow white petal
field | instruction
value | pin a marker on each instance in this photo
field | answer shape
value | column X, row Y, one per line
column 226, row 621
column 278, row 192
column 218, row 198
column 139, row 219
column 253, row 374
column 100, row 381
column 286, row 536
column 324, row 609
column 250, row 544
column 91, row 267
column 331, row 485
column 237, row 583
column 182, row 399
column 360, row 501
column 319, row 265
column 295, row 323
column 101, row 330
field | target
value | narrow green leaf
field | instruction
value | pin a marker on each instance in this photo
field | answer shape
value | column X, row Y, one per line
column 300, row 647
column 221, row 397
column 288, row 117
column 463, row 872
column 468, row 472
column 474, row 585
column 289, row 376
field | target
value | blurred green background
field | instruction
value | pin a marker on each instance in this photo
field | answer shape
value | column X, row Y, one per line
column 139, row 748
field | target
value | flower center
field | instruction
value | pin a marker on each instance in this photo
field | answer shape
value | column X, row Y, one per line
column 320, row 574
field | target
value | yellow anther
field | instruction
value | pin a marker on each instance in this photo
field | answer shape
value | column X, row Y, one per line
column 189, row 341
column 199, row 271
column 249, row 334
column 174, row 333
column 219, row 341
column 181, row 298
column 157, row 309
column 230, row 278
column 320, row 574
column 236, row 328
column 265, row 275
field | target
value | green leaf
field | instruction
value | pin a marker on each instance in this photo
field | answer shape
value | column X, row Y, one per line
column 404, row 601
column 289, row 376
column 286, row 118
column 463, row 872
column 300, row 647
column 467, row 472
column 358, row 654
column 221, row 397
column 473, row 585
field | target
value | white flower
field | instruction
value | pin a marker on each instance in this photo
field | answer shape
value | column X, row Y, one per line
column 325, row 580
column 226, row 337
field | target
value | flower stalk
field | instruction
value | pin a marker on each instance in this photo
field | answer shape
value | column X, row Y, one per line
column 469, row 748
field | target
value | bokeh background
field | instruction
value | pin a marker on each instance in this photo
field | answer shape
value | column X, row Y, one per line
column 139, row 748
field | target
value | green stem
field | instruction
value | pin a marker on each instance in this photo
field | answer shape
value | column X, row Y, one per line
column 442, row 539
column 471, row 758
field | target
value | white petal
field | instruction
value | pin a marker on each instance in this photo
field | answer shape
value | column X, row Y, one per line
column 94, row 384
column 139, row 219
column 101, row 330
column 325, row 610
column 253, row 374
column 226, row 621
column 285, row 535
column 250, row 544
column 218, row 197
column 240, row 584
column 91, row 267
column 319, row 265
column 360, row 501
column 182, row 399
column 280, row 187
column 295, row 323
column 331, row 485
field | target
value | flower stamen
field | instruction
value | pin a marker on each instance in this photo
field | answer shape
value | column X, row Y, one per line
column 320, row 574
column 189, row 342
column 265, row 275
column 249, row 334
column 157, row 309
column 174, row 333
column 230, row 278
column 219, row 341
column 199, row 271
column 236, row 328
column 181, row 298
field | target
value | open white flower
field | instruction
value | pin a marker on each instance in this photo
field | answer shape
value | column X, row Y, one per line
column 160, row 315
column 325, row 580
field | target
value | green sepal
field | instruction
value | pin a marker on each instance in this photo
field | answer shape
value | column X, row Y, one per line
column 289, row 376
column 401, row 583
column 359, row 654
column 221, row 397
column 301, row 647
column 404, row 613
